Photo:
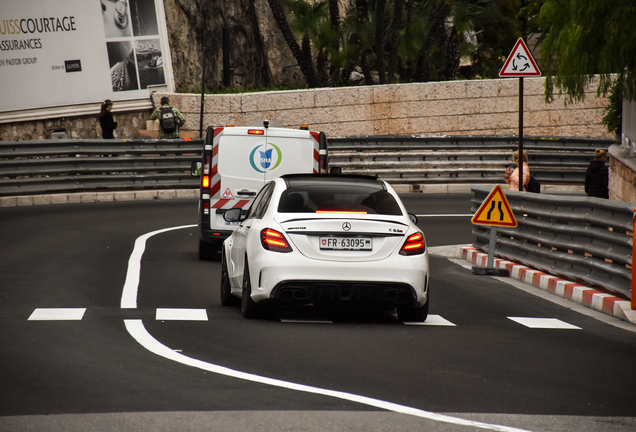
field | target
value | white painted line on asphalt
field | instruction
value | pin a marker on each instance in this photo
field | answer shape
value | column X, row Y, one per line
column 168, row 314
column 137, row 330
column 57, row 314
column 544, row 323
column 432, row 320
column 129, row 295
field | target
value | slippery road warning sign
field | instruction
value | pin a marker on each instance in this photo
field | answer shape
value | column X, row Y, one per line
column 520, row 62
column 495, row 210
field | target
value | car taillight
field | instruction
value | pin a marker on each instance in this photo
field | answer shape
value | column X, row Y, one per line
column 274, row 241
column 414, row 245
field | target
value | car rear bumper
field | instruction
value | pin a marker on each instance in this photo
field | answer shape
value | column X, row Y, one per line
column 359, row 293
column 293, row 279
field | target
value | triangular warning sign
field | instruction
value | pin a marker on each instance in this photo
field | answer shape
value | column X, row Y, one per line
column 227, row 194
column 495, row 210
column 520, row 62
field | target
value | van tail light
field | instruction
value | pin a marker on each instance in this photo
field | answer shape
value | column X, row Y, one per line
column 205, row 181
column 414, row 245
column 274, row 241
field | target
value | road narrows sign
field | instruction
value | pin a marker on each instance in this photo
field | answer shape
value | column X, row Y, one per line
column 495, row 210
column 520, row 62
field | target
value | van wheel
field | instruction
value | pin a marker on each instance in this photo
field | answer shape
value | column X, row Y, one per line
column 227, row 299
column 413, row 314
column 207, row 251
column 249, row 308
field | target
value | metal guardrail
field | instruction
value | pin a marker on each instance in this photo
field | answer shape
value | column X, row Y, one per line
column 587, row 240
column 59, row 166
column 463, row 159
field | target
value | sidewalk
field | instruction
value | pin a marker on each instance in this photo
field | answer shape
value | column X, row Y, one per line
column 603, row 302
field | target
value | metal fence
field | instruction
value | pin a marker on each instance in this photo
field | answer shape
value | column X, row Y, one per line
column 463, row 159
column 587, row 240
column 62, row 166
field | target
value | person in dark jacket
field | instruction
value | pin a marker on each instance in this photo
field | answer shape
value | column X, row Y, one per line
column 597, row 176
column 106, row 120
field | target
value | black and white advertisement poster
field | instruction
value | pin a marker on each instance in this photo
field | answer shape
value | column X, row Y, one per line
column 74, row 52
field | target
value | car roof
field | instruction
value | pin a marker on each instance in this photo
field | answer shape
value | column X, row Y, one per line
column 332, row 179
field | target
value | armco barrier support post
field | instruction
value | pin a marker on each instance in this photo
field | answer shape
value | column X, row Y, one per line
column 491, row 247
column 633, row 297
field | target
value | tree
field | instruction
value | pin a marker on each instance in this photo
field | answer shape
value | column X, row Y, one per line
column 302, row 56
column 584, row 38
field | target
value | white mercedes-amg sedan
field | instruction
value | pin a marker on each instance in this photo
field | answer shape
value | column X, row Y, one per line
column 321, row 239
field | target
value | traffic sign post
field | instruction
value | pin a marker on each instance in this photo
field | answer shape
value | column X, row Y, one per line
column 494, row 211
column 520, row 64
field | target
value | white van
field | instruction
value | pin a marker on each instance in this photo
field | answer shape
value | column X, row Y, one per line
column 236, row 163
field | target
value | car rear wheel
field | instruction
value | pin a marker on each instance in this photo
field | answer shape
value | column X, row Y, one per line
column 227, row 299
column 248, row 306
column 413, row 314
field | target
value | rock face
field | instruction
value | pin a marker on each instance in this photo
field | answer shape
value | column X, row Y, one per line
column 259, row 56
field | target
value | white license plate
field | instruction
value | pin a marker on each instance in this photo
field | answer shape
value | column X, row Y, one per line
column 346, row 243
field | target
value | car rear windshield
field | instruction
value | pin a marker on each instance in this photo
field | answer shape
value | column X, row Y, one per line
column 338, row 199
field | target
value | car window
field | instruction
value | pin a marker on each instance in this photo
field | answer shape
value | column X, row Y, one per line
column 338, row 198
column 258, row 207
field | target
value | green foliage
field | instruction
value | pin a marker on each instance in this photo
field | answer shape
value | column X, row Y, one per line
column 585, row 38
column 612, row 116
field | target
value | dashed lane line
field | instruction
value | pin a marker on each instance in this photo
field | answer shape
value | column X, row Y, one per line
column 544, row 323
column 57, row 314
column 167, row 314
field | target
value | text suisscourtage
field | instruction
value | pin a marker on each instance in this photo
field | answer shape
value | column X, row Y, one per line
column 37, row 25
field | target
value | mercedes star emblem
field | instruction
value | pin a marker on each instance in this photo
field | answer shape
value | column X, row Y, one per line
column 346, row 226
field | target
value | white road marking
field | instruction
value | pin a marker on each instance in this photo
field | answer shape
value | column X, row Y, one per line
column 168, row 314
column 544, row 323
column 57, row 314
column 137, row 330
column 129, row 295
column 432, row 320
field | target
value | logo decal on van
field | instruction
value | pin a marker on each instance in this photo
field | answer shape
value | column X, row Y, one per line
column 263, row 161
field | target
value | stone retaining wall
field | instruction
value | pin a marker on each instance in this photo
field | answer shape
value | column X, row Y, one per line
column 477, row 107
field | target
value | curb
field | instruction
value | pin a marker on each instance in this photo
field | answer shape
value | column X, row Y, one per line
column 84, row 197
column 600, row 301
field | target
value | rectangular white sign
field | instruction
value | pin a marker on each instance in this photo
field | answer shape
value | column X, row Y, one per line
column 81, row 51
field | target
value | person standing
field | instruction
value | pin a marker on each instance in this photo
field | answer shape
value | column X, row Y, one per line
column 170, row 119
column 106, row 120
column 512, row 177
column 597, row 176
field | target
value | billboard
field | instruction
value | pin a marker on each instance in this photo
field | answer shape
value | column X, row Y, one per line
column 81, row 51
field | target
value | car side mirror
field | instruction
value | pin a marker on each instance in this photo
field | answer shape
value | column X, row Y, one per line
column 413, row 218
column 195, row 169
column 233, row 215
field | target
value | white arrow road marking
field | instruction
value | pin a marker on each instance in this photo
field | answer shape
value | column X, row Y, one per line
column 137, row 330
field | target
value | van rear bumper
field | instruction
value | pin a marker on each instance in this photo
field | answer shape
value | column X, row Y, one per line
column 213, row 236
